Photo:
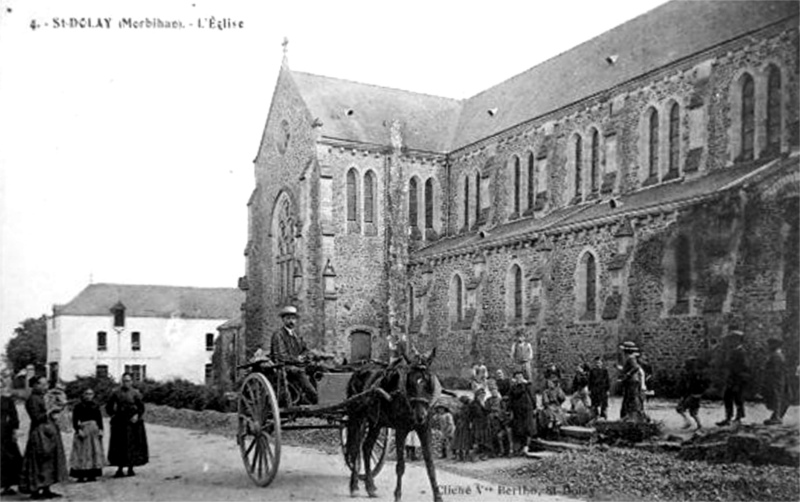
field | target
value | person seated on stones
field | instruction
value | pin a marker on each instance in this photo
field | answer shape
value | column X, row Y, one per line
column 552, row 416
column 289, row 348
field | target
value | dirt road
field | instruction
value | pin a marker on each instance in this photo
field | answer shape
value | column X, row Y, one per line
column 193, row 466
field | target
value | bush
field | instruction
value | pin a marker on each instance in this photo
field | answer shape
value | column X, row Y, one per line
column 180, row 393
column 102, row 387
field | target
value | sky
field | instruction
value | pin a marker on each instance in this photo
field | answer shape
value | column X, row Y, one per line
column 126, row 155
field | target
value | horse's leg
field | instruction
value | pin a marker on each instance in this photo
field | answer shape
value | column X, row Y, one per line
column 400, row 447
column 366, row 454
column 353, row 441
column 425, row 441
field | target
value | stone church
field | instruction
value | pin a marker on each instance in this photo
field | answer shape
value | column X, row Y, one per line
column 642, row 186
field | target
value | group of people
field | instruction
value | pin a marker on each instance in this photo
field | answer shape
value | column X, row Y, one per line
column 44, row 462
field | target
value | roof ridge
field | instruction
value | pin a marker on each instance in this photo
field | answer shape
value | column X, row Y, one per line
column 592, row 41
column 455, row 100
column 157, row 286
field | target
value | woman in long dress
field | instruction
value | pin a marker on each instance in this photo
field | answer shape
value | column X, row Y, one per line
column 128, row 443
column 45, row 463
column 87, row 459
column 11, row 456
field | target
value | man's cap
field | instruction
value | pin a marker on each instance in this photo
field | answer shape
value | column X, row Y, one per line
column 629, row 346
column 736, row 332
column 288, row 310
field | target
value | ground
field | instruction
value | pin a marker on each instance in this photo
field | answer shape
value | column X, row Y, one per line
column 195, row 465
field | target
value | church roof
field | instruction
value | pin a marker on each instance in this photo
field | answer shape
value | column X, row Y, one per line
column 156, row 301
column 362, row 112
column 664, row 35
column 659, row 196
column 671, row 32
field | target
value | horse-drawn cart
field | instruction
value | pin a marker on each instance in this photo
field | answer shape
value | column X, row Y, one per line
column 269, row 403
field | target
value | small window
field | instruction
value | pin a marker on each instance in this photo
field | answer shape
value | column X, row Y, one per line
column 652, row 158
column 674, row 137
column 102, row 341
column 138, row 371
column 412, row 203
column 210, row 342
column 594, row 169
column 429, row 203
column 774, row 110
column 136, row 341
column 578, row 164
column 477, row 196
column 369, row 197
column 531, row 181
column 517, row 292
column 466, row 202
column 748, row 116
column 517, row 176
column 209, row 374
column 352, row 196
column 101, row 371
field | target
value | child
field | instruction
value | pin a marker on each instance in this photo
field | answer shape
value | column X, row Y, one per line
column 599, row 385
column 498, row 422
column 462, row 437
column 444, row 423
column 522, row 404
column 481, row 435
column 691, row 386
column 580, row 392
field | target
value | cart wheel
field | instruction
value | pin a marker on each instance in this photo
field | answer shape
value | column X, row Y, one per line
column 259, row 433
column 378, row 456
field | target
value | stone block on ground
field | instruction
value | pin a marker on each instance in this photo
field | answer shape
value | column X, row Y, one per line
column 574, row 431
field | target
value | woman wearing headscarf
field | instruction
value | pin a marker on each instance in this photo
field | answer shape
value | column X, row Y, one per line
column 87, row 459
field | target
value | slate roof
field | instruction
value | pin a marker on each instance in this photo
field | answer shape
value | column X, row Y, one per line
column 156, row 301
column 656, row 197
column 666, row 34
column 429, row 120
column 661, row 36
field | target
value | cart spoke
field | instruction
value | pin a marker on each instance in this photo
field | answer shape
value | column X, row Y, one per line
column 250, row 448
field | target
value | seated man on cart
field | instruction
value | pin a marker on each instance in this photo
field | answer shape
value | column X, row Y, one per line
column 289, row 348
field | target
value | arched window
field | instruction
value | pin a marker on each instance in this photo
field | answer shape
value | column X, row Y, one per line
column 748, row 116
column 516, row 185
column 674, row 137
column 652, row 157
column 284, row 256
column 369, row 197
column 591, row 285
column 412, row 202
column 352, row 196
column 578, row 164
column 586, row 287
column 477, row 196
column 594, row 171
column 531, row 181
column 466, row 202
column 429, row 203
column 457, row 292
column 517, row 274
column 773, row 110
column 683, row 270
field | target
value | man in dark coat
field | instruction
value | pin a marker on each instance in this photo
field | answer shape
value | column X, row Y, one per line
column 599, row 385
column 522, row 405
column 775, row 388
column 11, row 456
column 128, row 444
column 286, row 346
column 45, row 463
column 503, row 383
column 737, row 375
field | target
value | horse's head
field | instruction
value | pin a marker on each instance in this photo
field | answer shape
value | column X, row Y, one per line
column 421, row 386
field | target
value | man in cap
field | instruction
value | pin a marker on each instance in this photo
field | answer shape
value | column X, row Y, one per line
column 288, row 347
column 737, row 374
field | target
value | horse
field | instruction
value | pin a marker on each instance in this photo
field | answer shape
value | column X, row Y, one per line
column 403, row 402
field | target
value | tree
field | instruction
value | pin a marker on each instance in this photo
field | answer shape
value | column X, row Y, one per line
column 29, row 345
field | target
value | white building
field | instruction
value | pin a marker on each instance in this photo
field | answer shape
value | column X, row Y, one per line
column 156, row 332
